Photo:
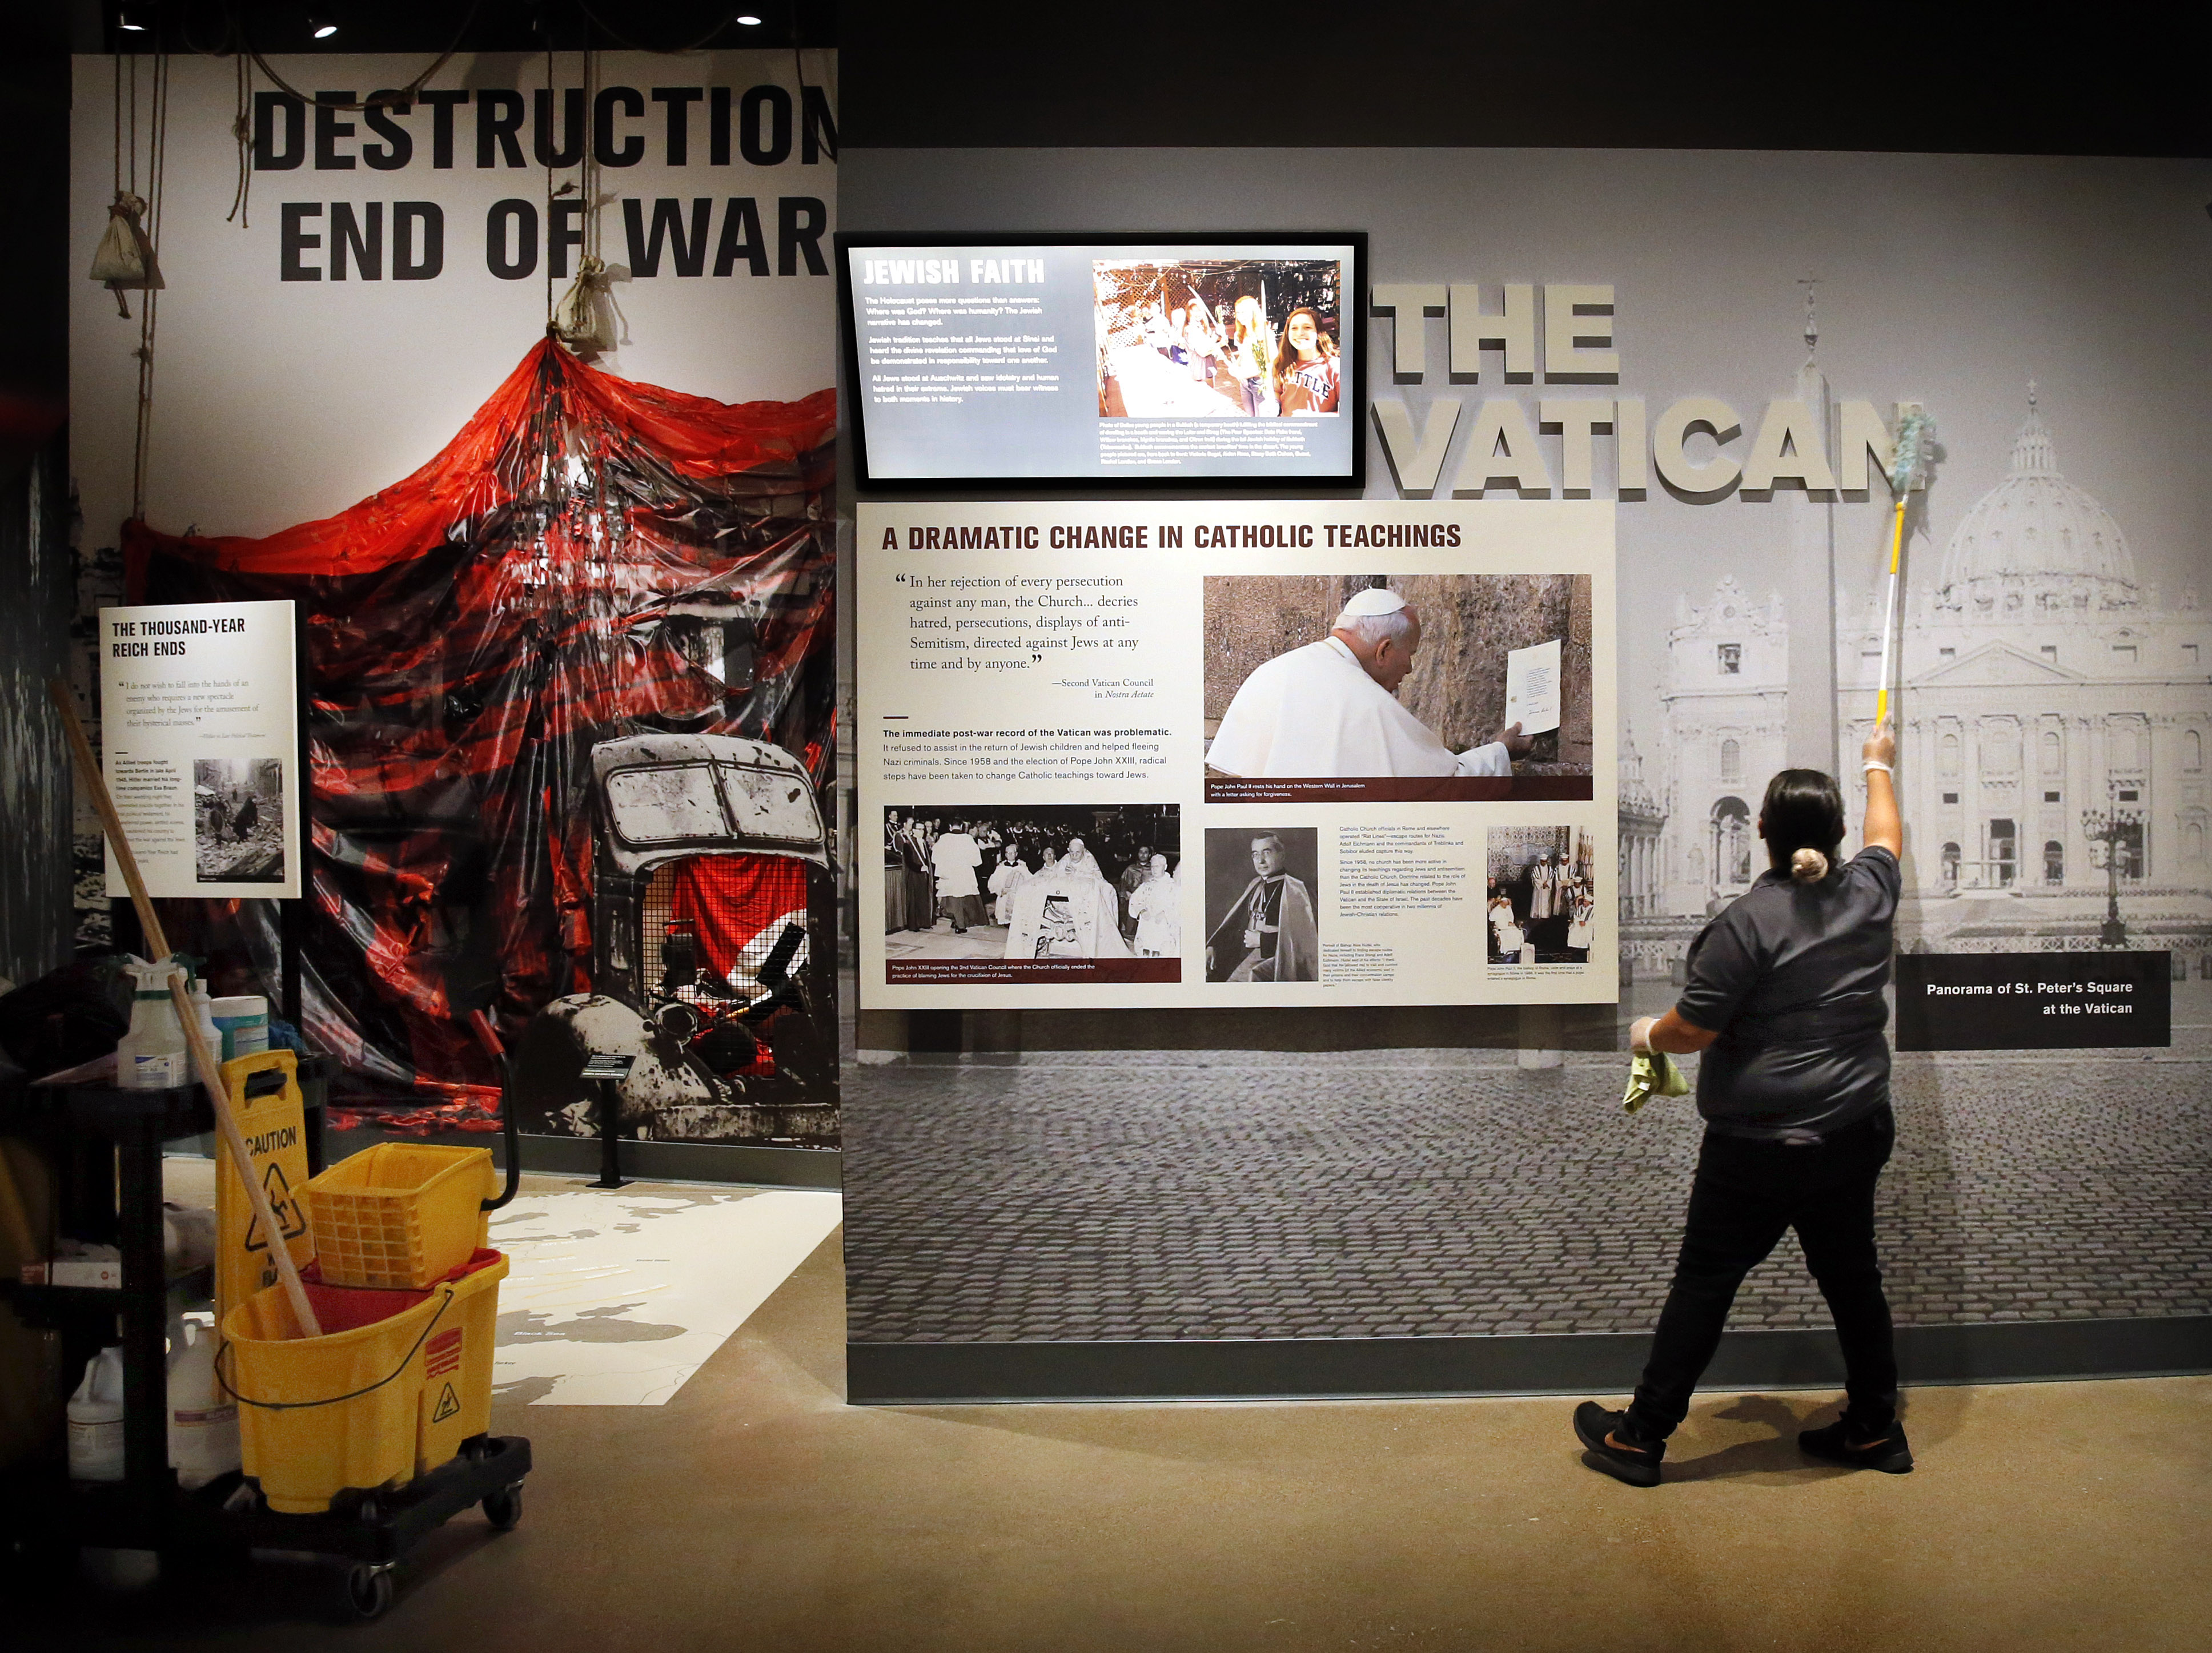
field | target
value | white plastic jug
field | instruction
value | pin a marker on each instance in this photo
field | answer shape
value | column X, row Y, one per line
column 203, row 1419
column 95, row 1419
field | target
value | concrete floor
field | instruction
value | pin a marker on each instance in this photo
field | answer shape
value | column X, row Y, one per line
column 757, row 1511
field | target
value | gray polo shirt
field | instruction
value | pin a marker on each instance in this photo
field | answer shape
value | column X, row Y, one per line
column 1790, row 976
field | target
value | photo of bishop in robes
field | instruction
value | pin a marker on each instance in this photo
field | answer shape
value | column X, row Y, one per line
column 1406, row 681
column 1269, row 932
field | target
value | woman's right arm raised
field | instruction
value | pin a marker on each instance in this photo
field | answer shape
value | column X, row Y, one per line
column 1883, row 824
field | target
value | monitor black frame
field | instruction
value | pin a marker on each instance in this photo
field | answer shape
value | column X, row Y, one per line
column 1355, row 309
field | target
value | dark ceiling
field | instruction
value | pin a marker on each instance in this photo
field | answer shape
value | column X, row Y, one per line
column 2032, row 77
column 289, row 26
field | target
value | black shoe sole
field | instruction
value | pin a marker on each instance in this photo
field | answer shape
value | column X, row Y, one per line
column 1631, row 1474
column 1606, row 1460
column 1896, row 1463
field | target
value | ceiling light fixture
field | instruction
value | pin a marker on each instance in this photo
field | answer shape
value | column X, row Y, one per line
column 746, row 20
column 130, row 19
column 321, row 28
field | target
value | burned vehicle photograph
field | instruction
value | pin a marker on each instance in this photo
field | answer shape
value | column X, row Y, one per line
column 713, row 862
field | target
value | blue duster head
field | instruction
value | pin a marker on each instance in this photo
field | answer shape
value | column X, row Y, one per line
column 1916, row 438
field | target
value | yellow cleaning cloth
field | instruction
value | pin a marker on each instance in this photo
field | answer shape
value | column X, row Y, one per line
column 1652, row 1073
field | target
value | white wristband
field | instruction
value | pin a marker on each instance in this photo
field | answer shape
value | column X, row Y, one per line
column 1876, row 763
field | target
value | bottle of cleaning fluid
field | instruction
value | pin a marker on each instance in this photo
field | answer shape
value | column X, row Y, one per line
column 203, row 1419
column 153, row 1054
column 95, row 1419
column 204, row 1013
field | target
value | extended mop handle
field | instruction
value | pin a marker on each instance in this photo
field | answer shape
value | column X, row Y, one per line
column 1889, row 609
column 1909, row 458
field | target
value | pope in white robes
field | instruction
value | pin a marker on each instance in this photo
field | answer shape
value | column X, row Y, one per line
column 1331, row 708
column 1157, row 905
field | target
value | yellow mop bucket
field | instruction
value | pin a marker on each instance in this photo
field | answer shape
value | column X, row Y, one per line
column 395, row 1382
column 400, row 1214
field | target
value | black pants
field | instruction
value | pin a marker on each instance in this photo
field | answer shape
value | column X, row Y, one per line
column 1746, row 1194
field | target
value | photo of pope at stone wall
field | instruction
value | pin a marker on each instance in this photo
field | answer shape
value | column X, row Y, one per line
column 1396, row 678
column 1262, row 902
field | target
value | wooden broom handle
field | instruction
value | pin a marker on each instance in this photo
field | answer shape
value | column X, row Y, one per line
column 203, row 1059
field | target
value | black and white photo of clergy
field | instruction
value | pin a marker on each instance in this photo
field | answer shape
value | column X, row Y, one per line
column 1260, row 905
column 1033, row 882
column 1542, row 901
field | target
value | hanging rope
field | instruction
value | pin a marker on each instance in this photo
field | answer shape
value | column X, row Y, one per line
column 583, row 320
column 157, row 152
column 241, row 128
column 552, row 123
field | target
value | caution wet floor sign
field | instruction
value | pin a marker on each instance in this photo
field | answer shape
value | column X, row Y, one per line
column 265, row 1094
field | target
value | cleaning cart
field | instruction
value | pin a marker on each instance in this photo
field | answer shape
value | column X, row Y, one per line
column 359, row 1479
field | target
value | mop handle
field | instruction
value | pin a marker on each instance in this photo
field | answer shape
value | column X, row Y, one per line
column 1889, row 612
column 203, row 1060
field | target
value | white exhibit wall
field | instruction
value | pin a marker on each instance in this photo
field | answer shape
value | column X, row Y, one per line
column 276, row 402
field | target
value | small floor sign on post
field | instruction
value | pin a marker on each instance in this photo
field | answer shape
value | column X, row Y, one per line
column 608, row 1069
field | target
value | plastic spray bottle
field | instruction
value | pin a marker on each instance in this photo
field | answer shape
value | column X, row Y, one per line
column 204, row 1013
column 154, row 1053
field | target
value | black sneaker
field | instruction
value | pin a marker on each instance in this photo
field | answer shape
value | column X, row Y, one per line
column 1840, row 1443
column 1637, row 1462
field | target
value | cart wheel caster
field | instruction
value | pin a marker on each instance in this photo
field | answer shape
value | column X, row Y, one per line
column 503, row 1509
column 368, row 1590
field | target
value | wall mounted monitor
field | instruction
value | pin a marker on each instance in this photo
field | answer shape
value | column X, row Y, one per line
column 1103, row 360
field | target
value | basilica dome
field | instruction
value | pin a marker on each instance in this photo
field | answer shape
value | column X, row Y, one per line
column 2035, row 526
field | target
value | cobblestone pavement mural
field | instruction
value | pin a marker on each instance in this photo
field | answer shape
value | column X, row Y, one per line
column 1449, row 1193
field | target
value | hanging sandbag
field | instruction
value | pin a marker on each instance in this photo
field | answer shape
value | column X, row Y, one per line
column 124, row 259
column 584, row 320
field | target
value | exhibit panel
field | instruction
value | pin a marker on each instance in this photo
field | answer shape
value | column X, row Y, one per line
column 516, row 380
column 1268, row 823
column 1346, row 1201
column 203, row 747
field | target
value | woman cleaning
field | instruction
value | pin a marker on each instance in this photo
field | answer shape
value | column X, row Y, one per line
column 1784, row 996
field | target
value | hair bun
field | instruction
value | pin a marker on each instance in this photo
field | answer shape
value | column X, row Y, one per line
column 1808, row 865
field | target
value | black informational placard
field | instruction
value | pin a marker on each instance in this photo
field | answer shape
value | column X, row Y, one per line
column 2033, row 1001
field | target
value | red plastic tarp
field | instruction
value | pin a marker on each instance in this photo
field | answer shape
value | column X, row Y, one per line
column 588, row 558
